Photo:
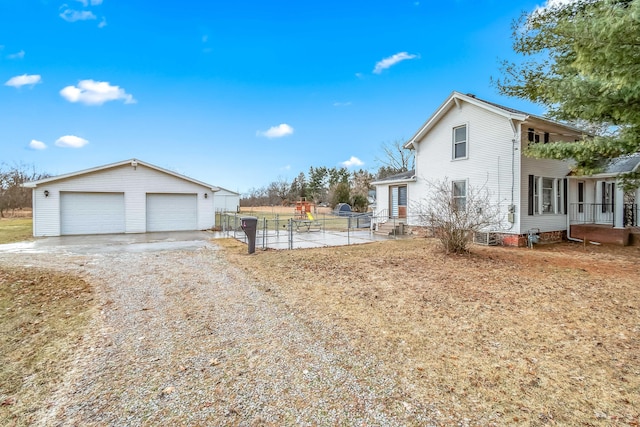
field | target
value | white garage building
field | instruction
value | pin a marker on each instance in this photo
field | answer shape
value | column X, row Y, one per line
column 131, row 196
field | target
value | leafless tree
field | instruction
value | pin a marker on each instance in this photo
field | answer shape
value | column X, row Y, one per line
column 12, row 195
column 395, row 159
column 454, row 212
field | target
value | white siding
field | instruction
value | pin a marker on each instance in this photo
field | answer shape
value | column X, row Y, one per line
column 541, row 168
column 488, row 165
column 225, row 201
column 135, row 183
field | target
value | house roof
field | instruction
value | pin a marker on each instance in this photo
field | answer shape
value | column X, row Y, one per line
column 619, row 165
column 399, row 177
column 509, row 113
column 132, row 162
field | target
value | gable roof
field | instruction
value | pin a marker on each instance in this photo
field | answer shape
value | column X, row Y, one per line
column 132, row 162
column 509, row 113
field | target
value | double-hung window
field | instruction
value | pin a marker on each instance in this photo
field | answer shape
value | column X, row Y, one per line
column 460, row 142
column 546, row 195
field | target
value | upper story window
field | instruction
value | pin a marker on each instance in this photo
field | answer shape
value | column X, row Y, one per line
column 460, row 142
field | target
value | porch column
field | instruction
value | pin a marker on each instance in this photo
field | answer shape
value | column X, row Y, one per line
column 618, row 210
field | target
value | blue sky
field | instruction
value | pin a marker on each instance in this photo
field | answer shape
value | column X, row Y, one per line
column 237, row 94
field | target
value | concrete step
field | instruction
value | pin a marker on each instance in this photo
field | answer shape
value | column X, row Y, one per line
column 390, row 229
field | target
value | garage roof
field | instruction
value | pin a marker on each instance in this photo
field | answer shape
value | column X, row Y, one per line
column 132, row 162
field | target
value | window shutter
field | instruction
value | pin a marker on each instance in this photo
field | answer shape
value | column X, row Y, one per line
column 531, row 178
column 564, row 197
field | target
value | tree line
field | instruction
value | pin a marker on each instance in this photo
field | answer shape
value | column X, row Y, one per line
column 331, row 186
column 12, row 195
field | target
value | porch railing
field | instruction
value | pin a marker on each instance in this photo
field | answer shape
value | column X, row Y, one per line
column 630, row 215
column 600, row 213
column 591, row 213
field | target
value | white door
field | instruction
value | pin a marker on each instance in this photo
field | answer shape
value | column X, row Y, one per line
column 172, row 212
column 91, row 213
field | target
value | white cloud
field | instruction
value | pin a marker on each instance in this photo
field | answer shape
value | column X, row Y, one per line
column 391, row 61
column 37, row 145
column 276, row 131
column 71, row 15
column 24, row 80
column 342, row 104
column 17, row 55
column 91, row 92
column 103, row 22
column 353, row 161
column 71, row 141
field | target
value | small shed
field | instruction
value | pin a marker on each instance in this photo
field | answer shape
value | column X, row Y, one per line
column 130, row 196
column 226, row 201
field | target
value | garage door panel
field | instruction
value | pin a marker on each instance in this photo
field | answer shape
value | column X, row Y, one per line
column 92, row 213
column 172, row 212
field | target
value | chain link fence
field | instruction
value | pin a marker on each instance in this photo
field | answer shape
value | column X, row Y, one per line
column 281, row 231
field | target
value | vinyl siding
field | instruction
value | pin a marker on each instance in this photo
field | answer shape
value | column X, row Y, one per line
column 488, row 163
column 541, row 168
column 134, row 183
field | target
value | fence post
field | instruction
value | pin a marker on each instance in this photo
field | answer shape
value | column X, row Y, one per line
column 264, row 232
column 290, row 233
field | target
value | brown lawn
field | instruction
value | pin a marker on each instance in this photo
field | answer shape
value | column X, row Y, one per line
column 549, row 336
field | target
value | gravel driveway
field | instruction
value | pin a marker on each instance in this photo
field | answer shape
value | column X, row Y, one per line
column 182, row 338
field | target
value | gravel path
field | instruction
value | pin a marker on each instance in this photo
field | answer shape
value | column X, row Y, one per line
column 182, row 338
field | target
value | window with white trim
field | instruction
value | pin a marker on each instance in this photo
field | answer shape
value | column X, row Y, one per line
column 460, row 142
column 459, row 191
column 547, row 195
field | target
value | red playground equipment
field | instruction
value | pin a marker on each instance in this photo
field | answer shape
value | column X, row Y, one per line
column 303, row 209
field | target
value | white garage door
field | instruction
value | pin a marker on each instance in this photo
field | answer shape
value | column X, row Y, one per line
column 172, row 212
column 91, row 213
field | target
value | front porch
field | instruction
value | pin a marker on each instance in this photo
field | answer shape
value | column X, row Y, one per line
column 596, row 222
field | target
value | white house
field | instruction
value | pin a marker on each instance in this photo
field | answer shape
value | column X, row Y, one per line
column 479, row 144
column 130, row 196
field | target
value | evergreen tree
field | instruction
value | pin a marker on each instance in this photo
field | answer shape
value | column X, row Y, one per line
column 583, row 63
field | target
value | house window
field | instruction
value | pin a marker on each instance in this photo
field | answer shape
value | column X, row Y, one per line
column 546, row 196
column 460, row 194
column 607, row 196
column 460, row 142
column 581, row 197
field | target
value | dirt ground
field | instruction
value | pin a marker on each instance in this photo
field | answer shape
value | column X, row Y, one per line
column 501, row 336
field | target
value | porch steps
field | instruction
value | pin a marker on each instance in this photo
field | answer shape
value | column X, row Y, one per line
column 390, row 228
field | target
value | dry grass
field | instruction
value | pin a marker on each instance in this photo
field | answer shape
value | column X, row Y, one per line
column 15, row 229
column 549, row 336
column 41, row 322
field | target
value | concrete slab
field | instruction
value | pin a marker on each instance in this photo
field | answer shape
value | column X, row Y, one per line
column 311, row 239
column 103, row 243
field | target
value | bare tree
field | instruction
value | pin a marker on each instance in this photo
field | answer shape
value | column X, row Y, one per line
column 454, row 211
column 12, row 195
column 395, row 159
